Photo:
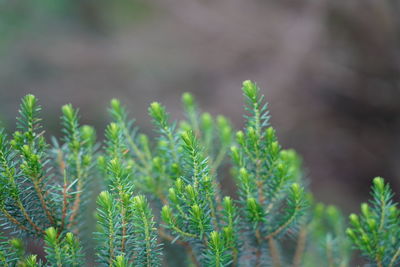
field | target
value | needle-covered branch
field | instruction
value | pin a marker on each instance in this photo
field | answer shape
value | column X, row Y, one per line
column 166, row 195
column 376, row 231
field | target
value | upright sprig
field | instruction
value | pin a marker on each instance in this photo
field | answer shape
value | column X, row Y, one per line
column 213, row 134
column 107, row 229
column 33, row 166
column 137, row 151
column 74, row 161
column 376, row 231
column 137, row 244
column 11, row 252
column 193, row 215
column 147, row 249
column 191, row 207
column 62, row 250
column 118, row 172
column 167, row 162
column 126, row 231
column 41, row 185
column 25, row 174
column 268, row 178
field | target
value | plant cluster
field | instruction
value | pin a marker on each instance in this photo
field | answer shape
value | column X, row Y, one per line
column 169, row 192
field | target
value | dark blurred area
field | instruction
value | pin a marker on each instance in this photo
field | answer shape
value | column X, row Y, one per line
column 330, row 70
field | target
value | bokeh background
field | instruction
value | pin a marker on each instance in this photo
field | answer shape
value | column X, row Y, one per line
column 330, row 70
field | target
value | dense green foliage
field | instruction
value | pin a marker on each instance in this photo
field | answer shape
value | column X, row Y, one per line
column 169, row 191
column 376, row 232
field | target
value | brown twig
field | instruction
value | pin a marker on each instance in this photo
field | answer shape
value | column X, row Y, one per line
column 64, row 208
column 301, row 244
column 28, row 218
column 186, row 245
column 395, row 256
column 283, row 226
column 75, row 206
column 379, row 262
column 14, row 220
column 276, row 261
column 259, row 252
column 43, row 201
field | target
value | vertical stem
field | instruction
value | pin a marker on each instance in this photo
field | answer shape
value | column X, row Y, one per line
column 301, row 244
column 28, row 218
column 111, row 239
column 276, row 261
column 124, row 220
column 43, row 202
column 379, row 262
column 64, row 208
column 393, row 260
column 258, row 252
column 75, row 206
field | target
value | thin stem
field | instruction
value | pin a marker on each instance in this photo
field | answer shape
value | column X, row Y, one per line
column 111, row 239
column 217, row 256
column 28, row 218
column 147, row 237
column 172, row 147
column 218, row 160
column 381, row 225
column 124, row 222
column 259, row 252
column 14, row 220
column 75, row 206
column 181, row 232
column 79, row 187
column 283, row 226
column 58, row 254
column 394, row 258
column 213, row 212
column 379, row 262
column 301, row 244
column 217, row 187
column 20, row 206
column 186, row 245
column 276, row 261
column 382, row 219
column 60, row 161
column 43, row 202
column 64, row 208
column 135, row 148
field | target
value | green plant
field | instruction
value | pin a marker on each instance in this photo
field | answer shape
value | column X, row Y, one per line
column 168, row 191
column 376, row 232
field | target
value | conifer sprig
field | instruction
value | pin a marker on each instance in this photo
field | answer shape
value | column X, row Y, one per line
column 137, row 145
column 271, row 198
column 11, row 251
column 376, row 230
column 62, row 250
column 168, row 160
column 169, row 191
column 126, row 227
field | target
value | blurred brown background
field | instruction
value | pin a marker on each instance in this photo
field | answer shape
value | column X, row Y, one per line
column 330, row 70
